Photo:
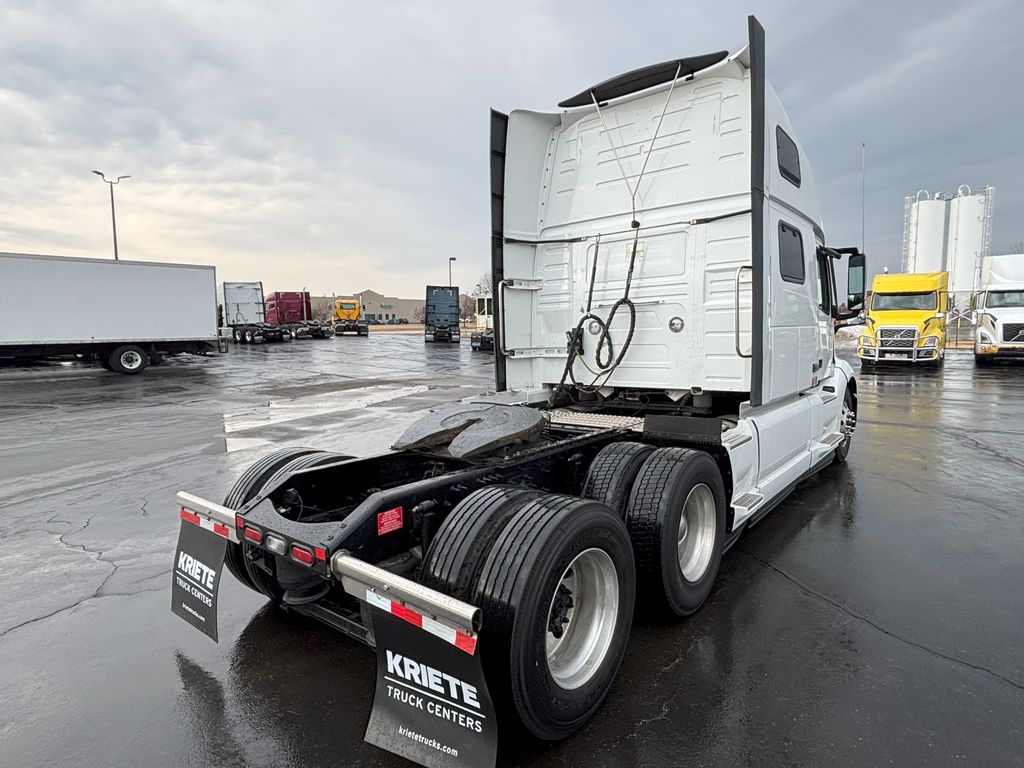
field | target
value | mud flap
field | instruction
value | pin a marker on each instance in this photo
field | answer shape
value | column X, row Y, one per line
column 198, row 562
column 431, row 705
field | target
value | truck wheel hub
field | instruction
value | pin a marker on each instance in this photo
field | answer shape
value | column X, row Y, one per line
column 582, row 618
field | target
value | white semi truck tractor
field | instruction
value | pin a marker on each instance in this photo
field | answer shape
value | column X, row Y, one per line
column 999, row 333
column 664, row 316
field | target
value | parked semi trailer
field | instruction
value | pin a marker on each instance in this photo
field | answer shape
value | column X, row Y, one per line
column 124, row 314
column 245, row 313
column 665, row 375
column 441, row 314
column 1000, row 306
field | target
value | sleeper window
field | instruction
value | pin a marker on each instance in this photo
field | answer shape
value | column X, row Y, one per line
column 789, row 156
column 791, row 253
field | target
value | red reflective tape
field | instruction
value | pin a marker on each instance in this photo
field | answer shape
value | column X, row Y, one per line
column 389, row 520
column 191, row 517
column 320, row 552
column 239, row 521
column 221, row 530
column 404, row 613
column 465, row 643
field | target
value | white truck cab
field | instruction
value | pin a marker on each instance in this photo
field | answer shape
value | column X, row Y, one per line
column 659, row 242
column 1000, row 307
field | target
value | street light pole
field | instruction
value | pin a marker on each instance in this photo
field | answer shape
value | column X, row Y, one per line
column 450, row 260
column 113, row 217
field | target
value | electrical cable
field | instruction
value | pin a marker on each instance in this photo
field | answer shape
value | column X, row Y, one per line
column 608, row 364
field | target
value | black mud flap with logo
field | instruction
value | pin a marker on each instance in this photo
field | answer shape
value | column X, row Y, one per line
column 198, row 562
column 431, row 705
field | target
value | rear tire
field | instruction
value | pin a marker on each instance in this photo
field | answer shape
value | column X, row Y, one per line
column 245, row 488
column 612, row 472
column 676, row 521
column 557, row 589
column 128, row 359
column 236, row 335
column 248, row 336
column 462, row 543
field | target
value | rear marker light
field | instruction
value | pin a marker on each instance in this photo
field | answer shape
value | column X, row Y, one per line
column 302, row 555
column 276, row 544
column 239, row 522
column 321, row 554
column 253, row 535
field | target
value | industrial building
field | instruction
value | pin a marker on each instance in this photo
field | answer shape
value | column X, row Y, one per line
column 949, row 233
column 376, row 306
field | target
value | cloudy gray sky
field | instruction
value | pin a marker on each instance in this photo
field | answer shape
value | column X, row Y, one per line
column 342, row 145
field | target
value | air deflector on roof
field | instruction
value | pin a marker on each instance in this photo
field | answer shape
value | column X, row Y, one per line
column 641, row 79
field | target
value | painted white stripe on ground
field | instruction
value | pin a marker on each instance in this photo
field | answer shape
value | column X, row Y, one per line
column 288, row 409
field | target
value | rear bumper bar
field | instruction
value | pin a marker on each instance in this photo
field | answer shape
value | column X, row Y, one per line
column 362, row 580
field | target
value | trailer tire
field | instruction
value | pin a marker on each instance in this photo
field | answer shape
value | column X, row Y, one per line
column 129, row 359
column 676, row 485
column 456, row 555
column 612, row 472
column 245, row 487
column 562, row 564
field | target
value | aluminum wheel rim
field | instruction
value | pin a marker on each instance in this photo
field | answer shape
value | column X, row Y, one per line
column 589, row 625
column 848, row 422
column 131, row 360
column 695, row 542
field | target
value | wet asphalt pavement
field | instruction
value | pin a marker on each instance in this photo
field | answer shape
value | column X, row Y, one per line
column 875, row 617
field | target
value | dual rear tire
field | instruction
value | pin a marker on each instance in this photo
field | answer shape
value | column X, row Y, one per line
column 554, row 576
column 557, row 576
column 673, row 503
column 676, row 521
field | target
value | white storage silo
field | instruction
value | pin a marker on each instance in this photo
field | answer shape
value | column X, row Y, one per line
column 970, row 224
column 925, row 233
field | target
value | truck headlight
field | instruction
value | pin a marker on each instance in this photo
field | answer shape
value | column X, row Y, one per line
column 867, row 341
column 984, row 337
column 931, row 341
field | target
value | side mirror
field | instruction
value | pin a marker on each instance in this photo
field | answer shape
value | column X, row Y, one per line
column 855, row 282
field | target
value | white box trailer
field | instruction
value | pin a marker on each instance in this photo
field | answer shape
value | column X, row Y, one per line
column 126, row 314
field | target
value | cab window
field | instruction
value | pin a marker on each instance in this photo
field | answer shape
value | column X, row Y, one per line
column 822, row 286
column 881, row 302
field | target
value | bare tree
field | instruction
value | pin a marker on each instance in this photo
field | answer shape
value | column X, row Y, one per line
column 323, row 308
column 1018, row 247
column 467, row 306
column 484, row 285
column 419, row 314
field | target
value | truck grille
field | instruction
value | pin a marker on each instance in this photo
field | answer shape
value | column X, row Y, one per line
column 897, row 338
column 1013, row 332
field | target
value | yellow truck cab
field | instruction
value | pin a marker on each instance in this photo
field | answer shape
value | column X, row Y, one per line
column 906, row 319
column 348, row 318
